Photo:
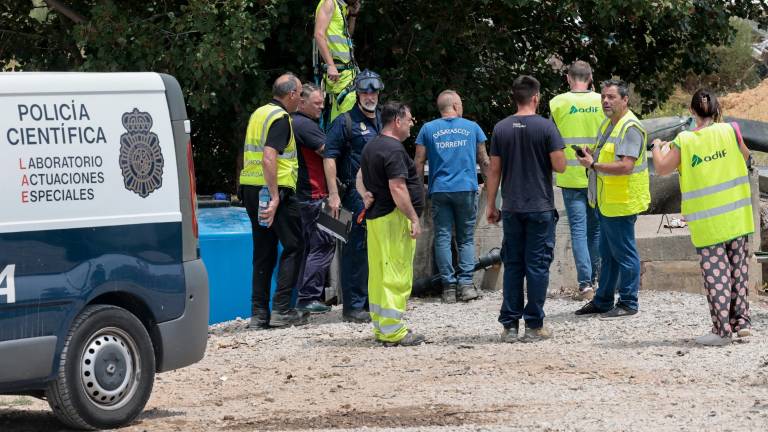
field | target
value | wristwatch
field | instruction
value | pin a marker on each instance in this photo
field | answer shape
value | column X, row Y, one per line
column 650, row 146
column 592, row 166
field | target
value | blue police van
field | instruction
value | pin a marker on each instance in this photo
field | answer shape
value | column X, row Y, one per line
column 101, row 281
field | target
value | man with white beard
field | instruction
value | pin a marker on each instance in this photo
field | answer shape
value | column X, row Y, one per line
column 345, row 140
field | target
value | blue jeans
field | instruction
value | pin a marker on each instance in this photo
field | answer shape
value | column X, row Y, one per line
column 621, row 263
column 527, row 252
column 354, row 258
column 585, row 235
column 459, row 209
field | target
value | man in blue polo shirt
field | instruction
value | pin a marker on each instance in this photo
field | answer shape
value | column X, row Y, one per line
column 345, row 140
column 454, row 146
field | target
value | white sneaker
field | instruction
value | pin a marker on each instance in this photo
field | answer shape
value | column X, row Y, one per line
column 586, row 294
column 711, row 339
column 745, row 332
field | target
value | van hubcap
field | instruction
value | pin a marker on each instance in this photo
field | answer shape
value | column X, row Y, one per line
column 109, row 368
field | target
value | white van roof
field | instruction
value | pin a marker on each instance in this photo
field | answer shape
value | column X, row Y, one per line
column 39, row 83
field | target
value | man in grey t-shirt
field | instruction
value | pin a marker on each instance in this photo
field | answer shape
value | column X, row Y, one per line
column 618, row 174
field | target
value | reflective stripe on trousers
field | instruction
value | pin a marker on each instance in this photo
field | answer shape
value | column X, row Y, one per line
column 390, row 273
column 386, row 313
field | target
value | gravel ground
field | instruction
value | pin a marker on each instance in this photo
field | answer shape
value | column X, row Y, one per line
column 642, row 373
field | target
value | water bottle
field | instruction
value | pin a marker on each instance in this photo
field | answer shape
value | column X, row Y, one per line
column 264, row 199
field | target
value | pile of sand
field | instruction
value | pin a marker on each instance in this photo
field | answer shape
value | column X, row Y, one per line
column 750, row 104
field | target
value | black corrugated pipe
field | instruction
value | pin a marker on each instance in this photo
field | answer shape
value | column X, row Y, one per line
column 755, row 133
column 433, row 285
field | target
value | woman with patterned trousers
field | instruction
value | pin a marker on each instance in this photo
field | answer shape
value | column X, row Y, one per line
column 717, row 205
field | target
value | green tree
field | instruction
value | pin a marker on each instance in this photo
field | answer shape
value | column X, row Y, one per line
column 735, row 69
column 212, row 47
column 225, row 53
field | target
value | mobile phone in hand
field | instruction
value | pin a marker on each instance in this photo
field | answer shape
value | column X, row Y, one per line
column 578, row 150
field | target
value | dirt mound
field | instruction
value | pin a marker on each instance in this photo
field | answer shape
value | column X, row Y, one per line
column 750, row 104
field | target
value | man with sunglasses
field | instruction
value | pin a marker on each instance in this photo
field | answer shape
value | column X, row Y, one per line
column 345, row 140
column 270, row 162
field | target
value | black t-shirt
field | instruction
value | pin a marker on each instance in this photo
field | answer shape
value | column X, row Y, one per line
column 524, row 144
column 279, row 134
column 385, row 158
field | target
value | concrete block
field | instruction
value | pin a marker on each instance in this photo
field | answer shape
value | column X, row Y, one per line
column 487, row 237
column 562, row 272
column 755, row 278
column 666, row 245
column 682, row 276
column 491, row 279
column 685, row 276
column 422, row 260
column 669, row 259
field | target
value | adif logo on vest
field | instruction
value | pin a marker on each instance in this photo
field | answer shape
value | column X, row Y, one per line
column 697, row 160
column 587, row 110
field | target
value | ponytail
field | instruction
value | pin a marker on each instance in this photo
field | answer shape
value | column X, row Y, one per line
column 705, row 105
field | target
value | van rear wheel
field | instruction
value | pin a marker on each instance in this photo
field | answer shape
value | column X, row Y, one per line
column 106, row 370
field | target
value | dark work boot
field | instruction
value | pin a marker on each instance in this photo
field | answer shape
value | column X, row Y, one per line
column 259, row 320
column 356, row 316
column 468, row 292
column 291, row 317
column 449, row 293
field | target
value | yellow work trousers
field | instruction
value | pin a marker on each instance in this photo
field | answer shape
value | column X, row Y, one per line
column 334, row 89
column 390, row 273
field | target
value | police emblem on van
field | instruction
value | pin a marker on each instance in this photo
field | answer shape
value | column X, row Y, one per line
column 141, row 160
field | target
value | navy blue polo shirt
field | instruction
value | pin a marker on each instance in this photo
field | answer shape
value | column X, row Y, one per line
column 347, row 154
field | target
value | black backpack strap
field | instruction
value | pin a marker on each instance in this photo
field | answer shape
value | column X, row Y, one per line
column 347, row 129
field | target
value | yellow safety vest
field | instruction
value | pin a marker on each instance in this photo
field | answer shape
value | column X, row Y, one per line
column 622, row 195
column 578, row 116
column 337, row 36
column 255, row 138
column 717, row 199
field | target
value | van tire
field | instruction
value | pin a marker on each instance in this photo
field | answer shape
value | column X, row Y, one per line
column 117, row 339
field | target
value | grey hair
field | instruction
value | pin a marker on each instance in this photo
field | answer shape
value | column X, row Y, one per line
column 307, row 89
column 620, row 85
column 282, row 87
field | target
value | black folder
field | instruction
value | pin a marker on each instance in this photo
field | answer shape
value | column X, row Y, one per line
column 337, row 227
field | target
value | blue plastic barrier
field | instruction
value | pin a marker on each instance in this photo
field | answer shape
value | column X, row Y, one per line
column 226, row 248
